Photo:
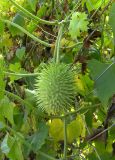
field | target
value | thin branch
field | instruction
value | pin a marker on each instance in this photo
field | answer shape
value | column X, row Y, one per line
column 26, row 32
column 57, row 45
column 65, row 139
column 98, row 156
column 74, row 112
column 33, row 16
column 99, row 134
column 27, row 18
column 106, row 7
column 21, row 74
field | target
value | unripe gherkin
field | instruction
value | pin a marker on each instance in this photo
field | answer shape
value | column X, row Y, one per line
column 55, row 88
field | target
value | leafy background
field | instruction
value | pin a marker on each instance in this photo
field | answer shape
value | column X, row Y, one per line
column 27, row 43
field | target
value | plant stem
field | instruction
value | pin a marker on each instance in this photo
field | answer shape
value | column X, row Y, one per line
column 22, row 74
column 98, row 156
column 33, row 16
column 75, row 112
column 57, row 44
column 65, row 139
column 29, row 34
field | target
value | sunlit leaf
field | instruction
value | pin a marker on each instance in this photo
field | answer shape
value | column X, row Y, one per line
column 78, row 23
column 56, row 129
column 75, row 129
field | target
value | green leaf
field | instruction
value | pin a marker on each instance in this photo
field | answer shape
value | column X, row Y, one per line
column 2, row 82
column 1, row 27
column 20, row 52
column 78, row 23
column 2, row 125
column 30, row 96
column 4, row 145
column 112, row 18
column 15, row 152
column 11, row 146
column 16, row 68
column 94, row 4
column 38, row 139
column 104, row 84
column 6, row 109
column 32, row 4
column 18, row 19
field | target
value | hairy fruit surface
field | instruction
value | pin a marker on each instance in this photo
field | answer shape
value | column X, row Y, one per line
column 55, row 88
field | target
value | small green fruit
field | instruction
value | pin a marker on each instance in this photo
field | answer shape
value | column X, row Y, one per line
column 55, row 88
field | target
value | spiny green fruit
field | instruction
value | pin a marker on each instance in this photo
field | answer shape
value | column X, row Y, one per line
column 55, row 88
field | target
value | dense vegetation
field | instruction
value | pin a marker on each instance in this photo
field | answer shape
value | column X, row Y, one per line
column 57, row 80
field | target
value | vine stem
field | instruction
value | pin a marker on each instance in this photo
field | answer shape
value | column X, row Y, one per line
column 65, row 138
column 21, row 74
column 33, row 16
column 26, row 32
column 74, row 112
column 57, row 44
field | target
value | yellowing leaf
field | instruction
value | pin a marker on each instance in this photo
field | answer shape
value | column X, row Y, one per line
column 79, row 85
column 75, row 129
column 78, row 23
column 56, row 129
column 6, row 41
column 84, row 84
